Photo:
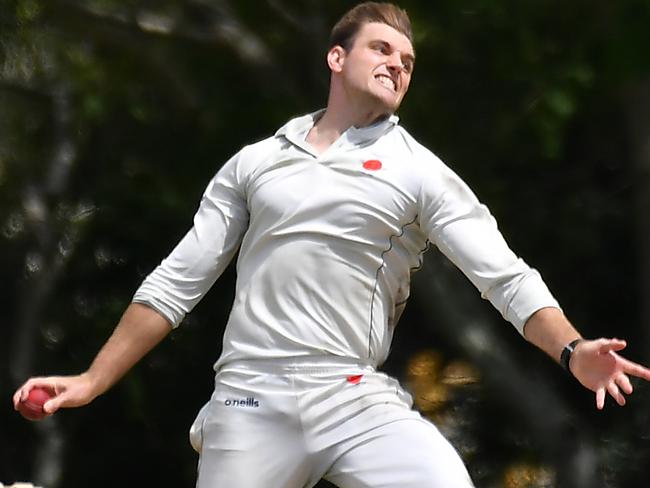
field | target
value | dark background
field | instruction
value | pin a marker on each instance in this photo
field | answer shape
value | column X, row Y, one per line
column 115, row 114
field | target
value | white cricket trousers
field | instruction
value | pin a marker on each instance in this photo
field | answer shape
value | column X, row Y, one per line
column 287, row 425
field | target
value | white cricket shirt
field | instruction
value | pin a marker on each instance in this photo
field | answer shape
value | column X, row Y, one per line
column 328, row 243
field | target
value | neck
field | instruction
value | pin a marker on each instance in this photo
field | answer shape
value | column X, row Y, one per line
column 335, row 121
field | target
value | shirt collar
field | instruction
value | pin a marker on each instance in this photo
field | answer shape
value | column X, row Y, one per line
column 295, row 131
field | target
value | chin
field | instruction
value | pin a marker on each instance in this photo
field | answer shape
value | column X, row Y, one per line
column 386, row 103
column 382, row 102
column 391, row 106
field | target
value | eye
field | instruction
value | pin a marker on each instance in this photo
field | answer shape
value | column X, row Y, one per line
column 381, row 48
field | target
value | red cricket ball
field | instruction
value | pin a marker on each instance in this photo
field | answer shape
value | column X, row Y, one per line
column 32, row 407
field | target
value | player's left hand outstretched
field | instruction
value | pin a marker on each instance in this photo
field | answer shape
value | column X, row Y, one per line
column 598, row 367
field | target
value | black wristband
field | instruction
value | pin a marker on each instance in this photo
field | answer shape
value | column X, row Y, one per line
column 565, row 357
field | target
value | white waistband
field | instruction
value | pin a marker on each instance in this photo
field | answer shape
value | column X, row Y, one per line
column 297, row 365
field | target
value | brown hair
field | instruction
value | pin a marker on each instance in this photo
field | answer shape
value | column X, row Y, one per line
column 348, row 26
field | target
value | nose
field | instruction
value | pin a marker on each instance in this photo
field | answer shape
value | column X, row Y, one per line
column 395, row 62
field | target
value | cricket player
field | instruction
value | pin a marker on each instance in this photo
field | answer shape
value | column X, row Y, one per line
column 330, row 216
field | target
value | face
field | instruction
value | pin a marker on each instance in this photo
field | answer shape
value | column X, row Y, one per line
column 378, row 66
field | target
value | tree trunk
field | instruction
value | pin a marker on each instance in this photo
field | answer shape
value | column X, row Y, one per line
column 45, row 265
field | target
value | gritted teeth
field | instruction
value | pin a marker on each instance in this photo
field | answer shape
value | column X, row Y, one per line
column 387, row 81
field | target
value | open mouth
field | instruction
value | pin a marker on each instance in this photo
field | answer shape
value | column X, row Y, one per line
column 387, row 82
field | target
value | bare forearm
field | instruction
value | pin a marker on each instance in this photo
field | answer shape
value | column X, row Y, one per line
column 138, row 331
column 550, row 330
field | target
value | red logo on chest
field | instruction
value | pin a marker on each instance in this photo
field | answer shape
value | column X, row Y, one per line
column 372, row 164
column 354, row 379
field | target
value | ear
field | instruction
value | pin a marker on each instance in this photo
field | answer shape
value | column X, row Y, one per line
column 336, row 59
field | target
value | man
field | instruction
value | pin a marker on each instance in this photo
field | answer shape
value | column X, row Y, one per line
column 331, row 214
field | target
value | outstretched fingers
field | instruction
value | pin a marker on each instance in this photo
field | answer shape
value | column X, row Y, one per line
column 615, row 392
column 635, row 369
column 613, row 389
column 600, row 398
column 619, row 384
column 609, row 345
column 625, row 384
column 599, row 367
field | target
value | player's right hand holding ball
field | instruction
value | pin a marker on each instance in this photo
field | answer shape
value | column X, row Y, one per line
column 40, row 397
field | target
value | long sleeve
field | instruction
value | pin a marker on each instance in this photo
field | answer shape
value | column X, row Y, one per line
column 465, row 231
column 190, row 270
